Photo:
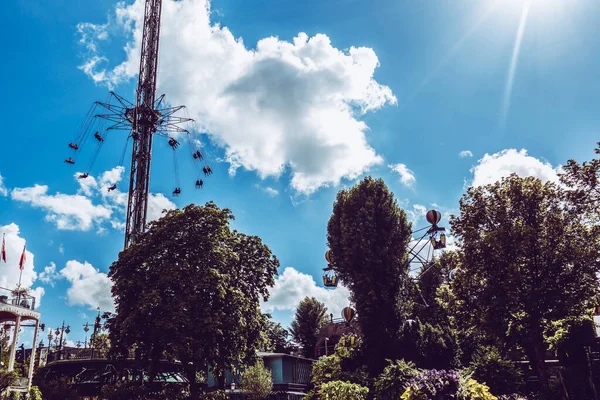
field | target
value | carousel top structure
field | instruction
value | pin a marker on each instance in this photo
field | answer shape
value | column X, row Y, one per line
column 14, row 303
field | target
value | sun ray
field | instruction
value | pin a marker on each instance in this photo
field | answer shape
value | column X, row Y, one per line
column 513, row 62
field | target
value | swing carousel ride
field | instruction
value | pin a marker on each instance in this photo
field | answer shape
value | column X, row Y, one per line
column 144, row 120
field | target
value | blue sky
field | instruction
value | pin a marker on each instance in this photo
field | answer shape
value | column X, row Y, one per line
column 299, row 99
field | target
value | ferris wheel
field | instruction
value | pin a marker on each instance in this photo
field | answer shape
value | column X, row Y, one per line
column 420, row 252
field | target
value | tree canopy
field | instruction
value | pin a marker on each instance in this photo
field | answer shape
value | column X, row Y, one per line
column 189, row 290
column 525, row 260
column 310, row 316
column 368, row 234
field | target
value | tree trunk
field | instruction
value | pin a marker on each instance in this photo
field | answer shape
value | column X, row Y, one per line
column 221, row 380
column 191, row 376
column 540, row 368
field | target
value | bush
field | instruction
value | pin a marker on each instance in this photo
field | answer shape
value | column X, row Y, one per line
column 7, row 379
column 470, row 389
column 392, row 382
column 339, row 390
column 257, row 381
column 35, row 393
column 501, row 375
column 432, row 384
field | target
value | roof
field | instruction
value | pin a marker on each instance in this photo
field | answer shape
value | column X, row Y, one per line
column 264, row 354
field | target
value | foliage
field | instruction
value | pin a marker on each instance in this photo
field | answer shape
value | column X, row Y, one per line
column 310, row 316
column 101, row 345
column 54, row 389
column 525, row 260
column 431, row 384
column 257, row 381
column 501, row 375
column 135, row 391
column 345, row 364
column 570, row 337
column 35, row 393
column 340, row 390
column 583, row 181
column 368, row 234
column 189, row 289
column 432, row 276
column 276, row 337
column 216, row 395
column 392, row 382
column 15, row 396
column 470, row 389
column 7, row 379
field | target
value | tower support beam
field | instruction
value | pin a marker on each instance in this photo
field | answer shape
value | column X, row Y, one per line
column 144, row 123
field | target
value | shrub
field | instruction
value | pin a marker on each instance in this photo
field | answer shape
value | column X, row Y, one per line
column 339, row 390
column 470, row 389
column 35, row 393
column 257, row 381
column 432, row 384
column 392, row 382
column 501, row 375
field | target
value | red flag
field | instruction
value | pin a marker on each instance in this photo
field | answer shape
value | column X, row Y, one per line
column 3, row 249
column 23, row 258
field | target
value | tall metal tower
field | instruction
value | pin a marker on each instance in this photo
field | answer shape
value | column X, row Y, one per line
column 143, row 120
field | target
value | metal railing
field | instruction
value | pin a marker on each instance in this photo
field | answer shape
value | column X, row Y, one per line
column 8, row 296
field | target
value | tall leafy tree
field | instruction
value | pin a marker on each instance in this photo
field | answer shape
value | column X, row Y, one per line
column 189, row 290
column 368, row 234
column 526, row 260
column 310, row 316
column 277, row 337
column 583, row 180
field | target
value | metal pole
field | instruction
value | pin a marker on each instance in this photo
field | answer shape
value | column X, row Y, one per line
column 32, row 357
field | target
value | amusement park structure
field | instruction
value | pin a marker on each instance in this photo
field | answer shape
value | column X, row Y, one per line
column 432, row 239
column 143, row 120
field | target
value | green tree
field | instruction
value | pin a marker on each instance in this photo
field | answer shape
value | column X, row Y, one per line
column 340, row 390
column 368, row 234
column 310, row 316
column 502, row 376
column 583, row 181
column 257, row 381
column 101, row 345
column 525, row 261
column 189, row 290
column 277, row 337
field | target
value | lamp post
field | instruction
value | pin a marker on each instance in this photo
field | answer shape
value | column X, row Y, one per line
column 62, row 331
column 326, row 343
column 98, row 325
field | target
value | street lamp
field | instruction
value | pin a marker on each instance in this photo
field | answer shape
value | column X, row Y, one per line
column 326, row 340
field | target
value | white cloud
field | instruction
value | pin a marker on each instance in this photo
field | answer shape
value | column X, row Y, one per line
column 292, row 286
column 156, row 204
column 49, row 275
column 89, row 286
column 416, row 214
column 68, row 212
column 61, row 249
column 491, row 168
column 407, row 177
column 9, row 278
column 269, row 190
column 3, row 189
column 92, row 206
column 465, row 153
column 281, row 106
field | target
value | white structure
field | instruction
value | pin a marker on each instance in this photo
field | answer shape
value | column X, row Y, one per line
column 18, row 311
